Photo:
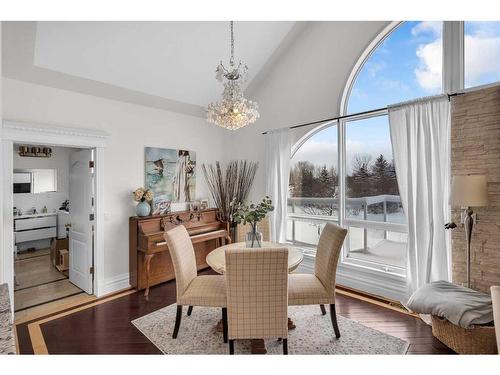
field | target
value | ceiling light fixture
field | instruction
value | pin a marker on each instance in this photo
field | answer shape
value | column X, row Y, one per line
column 233, row 111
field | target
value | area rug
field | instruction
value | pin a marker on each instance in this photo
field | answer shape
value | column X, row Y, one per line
column 313, row 335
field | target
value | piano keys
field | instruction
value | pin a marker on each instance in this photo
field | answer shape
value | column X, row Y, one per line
column 149, row 259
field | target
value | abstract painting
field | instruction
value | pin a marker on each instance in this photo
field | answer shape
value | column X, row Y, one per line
column 171, row 174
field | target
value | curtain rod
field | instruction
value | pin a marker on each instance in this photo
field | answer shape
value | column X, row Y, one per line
column 350, row 115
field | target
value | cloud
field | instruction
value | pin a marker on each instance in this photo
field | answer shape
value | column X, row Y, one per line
column 433, row 27
column 429, row 71
column 373, row 67
column 482, row 55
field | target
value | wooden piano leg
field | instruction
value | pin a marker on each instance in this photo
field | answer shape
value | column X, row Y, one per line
column 147, row 265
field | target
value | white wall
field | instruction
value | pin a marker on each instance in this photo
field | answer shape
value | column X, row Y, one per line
column 131, row 128
column 305, row 84
column 59, row 161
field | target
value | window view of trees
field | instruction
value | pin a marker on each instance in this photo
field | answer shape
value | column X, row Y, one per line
column 308, row 180
column 371, row 184
column 313, row 189
column 371, row 191
column 372, row 177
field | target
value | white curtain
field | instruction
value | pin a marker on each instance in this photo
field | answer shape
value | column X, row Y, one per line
column 278, row 150
column 420, row 135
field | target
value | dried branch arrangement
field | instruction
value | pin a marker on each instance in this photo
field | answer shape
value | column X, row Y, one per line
column 230, row 186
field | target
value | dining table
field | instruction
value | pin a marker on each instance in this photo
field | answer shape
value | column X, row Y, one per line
column 216, row 259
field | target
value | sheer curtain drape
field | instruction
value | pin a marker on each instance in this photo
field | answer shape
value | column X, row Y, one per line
column 278, row 149
column 420, row 135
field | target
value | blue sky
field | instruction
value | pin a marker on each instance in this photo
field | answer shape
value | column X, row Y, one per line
column 482, row 53
column 406, row 65
column 390, row 74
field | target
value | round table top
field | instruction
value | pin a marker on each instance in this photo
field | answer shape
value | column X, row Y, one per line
column 217, row 258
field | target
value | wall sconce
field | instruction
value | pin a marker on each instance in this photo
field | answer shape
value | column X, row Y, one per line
column 466, row 192
column 35, row 151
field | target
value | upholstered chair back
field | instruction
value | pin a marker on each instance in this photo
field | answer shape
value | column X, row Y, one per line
column 183, row 257
column 257, row 295
column 327, row 255
column 262, row 226
column 495, row 298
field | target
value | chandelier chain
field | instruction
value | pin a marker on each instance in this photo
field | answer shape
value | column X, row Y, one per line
column 231, row 62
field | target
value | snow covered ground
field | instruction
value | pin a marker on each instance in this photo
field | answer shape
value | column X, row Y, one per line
column 389, row 250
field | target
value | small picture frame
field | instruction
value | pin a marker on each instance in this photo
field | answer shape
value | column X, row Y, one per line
column 194, row 206
column 161, row 205
column 204, row 205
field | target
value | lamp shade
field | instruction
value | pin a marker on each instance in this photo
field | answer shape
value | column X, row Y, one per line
column 469, row 191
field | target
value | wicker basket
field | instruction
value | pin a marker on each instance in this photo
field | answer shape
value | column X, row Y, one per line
column 476, row 340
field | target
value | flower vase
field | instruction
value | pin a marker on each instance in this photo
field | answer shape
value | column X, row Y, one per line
column 253, row 238
column 143, row 209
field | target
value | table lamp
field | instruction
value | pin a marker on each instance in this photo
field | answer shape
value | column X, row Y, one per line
column 466, row 192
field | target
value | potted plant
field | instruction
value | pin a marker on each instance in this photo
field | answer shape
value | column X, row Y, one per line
column 143, row 196
column 252, row 214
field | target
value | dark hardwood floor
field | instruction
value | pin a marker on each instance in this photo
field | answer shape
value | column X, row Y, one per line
column 106, row 328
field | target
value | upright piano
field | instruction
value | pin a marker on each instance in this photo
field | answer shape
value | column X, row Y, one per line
column 150, row 261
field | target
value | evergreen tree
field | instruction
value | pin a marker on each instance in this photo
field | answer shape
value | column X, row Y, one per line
column 359, row 180
column 380, row 179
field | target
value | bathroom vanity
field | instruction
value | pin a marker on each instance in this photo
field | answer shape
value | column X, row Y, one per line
column 32, row 227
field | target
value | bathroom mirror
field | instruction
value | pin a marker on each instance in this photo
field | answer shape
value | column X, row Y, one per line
column 35, row 181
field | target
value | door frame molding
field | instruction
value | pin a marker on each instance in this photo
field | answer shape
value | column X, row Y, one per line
column 37, row 133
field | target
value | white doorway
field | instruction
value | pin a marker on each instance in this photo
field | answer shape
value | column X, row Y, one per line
column 91, row 232
column 53, row 210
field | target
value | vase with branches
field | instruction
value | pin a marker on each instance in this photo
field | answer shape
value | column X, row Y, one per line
column 252, row 214
column 229, row 186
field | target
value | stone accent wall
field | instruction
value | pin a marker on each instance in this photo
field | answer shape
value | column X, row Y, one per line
column 475, row 149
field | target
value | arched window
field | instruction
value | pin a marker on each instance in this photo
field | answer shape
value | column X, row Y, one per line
column 344, row 171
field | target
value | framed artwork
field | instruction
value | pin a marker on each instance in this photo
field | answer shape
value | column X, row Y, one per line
column 171, row 174
column 161, row 205
column 194, row 206
column 204, row 204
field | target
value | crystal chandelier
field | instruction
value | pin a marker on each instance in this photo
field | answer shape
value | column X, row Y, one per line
column 233, row 111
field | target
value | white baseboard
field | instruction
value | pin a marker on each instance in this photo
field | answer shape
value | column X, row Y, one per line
column 114, row 284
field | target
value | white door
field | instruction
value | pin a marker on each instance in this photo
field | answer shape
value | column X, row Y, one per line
column 81, row 208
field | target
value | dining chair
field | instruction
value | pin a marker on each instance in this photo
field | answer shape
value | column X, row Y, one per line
column 257, row 294
column 319, row 288
column 193, row 290
column 495, row 298
column 262, row 226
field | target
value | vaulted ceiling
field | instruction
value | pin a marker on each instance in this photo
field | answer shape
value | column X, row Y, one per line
column 169, row 65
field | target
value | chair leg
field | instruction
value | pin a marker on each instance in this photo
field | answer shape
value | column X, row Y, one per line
column 333, row 315
column 224, row 323
column 190, row 310
column 231, row 346
column 178, row 317
column 285, row 346
column 323, row 310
